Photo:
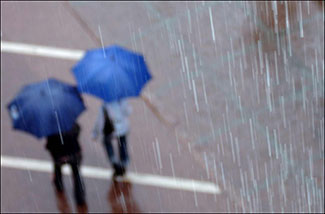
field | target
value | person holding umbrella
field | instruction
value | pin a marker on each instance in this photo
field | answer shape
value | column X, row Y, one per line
column 113, row 122
column 50, row 109
column 112, row 74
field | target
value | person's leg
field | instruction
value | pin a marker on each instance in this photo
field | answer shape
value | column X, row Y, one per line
column 124, row 156
column 79, row 188
column 110, row 150
column 57, row 174
column 57, row 179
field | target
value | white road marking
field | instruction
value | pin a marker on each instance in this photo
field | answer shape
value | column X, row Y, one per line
column 38, row 50
column 103, row 173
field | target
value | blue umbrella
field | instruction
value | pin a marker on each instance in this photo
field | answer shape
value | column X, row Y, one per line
column 111, row 73
column 46, row 108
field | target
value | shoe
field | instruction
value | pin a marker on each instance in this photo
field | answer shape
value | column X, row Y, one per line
column 119, row 170
column 116, row 167
column 122, row 170
column 125, row 165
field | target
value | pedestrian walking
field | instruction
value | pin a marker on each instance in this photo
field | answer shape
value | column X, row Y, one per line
column 49, row 109
column 64, row 148
column 113, row 123
column 112, row 74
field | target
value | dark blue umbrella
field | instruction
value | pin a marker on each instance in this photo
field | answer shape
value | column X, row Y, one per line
column 111, row 73
column 46, row 108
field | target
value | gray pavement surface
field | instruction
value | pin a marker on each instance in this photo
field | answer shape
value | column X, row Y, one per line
column 247, row 101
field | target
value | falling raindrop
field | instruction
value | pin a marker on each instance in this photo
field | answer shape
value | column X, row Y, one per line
column 172, row 164
column 206, row 165
column 241, row 73
column 251, row 131
column 276, row 144
column 158, row 153
column 177, row 142
column 232, row 148
column 229, row 66
column 101, row 40
column 155, row 154
column 30, row 176
column 232, row 52
column 204, row 89
column 260, row 54
column 189, row 20
column 188, row 74
column 300, row 22
column 276, row 68
column 238, row 152
column 288, row 28
column 283, row 112
column 212, row 27
column 186, row 117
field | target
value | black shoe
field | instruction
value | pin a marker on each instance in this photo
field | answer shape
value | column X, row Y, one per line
column 122, row 170
column 119, row 170
column 116, row 167
column 124, row 165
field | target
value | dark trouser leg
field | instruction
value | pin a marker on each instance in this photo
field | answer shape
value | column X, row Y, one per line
column 58, row 177
column 79, row 188
column 124, row 157
column 109, row 149
column 57, row 174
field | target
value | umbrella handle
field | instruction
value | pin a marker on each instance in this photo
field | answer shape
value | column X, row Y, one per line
column 155, row 110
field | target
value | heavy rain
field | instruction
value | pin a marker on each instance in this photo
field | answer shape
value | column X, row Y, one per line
column 224, row 111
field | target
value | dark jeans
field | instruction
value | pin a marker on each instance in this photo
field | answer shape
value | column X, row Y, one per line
column 122, row 145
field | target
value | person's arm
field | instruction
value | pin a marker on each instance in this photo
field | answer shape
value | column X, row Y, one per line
column 127, row 109
column 114, row 112
column 98, row 124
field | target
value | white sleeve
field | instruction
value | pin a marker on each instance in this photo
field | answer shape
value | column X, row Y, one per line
column 99, row 123
column 127, row 109
column 115, row 113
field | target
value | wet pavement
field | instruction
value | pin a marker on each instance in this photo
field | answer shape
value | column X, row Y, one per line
column 245, row 95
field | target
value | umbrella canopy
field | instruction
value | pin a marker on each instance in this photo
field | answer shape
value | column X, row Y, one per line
column 111, row 73
column 46, row 108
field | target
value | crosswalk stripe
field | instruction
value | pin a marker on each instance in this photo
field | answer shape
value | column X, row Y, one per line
column 103, row 173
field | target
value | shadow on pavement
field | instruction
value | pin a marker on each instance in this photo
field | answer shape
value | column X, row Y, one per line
column 63, row 205
column 62, row 202
column 82, row 208
column 121, row 199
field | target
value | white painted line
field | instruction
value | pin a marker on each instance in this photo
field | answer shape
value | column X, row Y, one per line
column 102, row 173
column 37, row 50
